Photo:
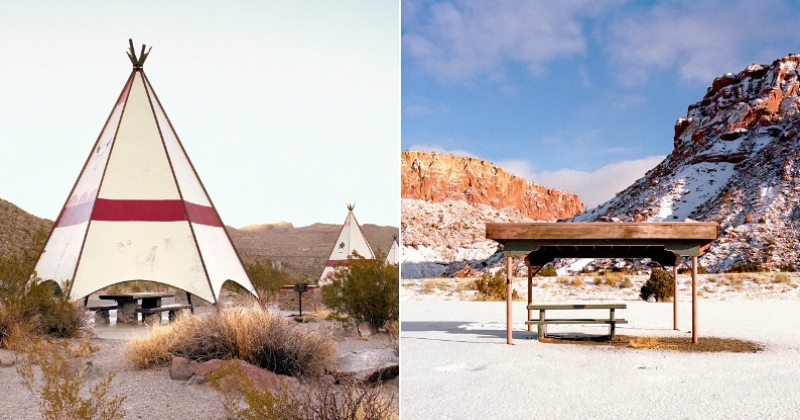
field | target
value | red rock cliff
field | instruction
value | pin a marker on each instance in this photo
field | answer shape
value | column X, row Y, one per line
column 436, row 177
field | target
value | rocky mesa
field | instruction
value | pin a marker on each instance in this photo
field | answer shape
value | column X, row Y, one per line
column 736, row 161
column 447, row 200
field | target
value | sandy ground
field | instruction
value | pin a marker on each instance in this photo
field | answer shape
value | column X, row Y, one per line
column 456, row 365
column 151, row 394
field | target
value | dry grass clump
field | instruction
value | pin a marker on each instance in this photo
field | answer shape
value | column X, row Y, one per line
column 577, row 282
column 64, row 392
column 564, row 280
column 250, row 334
column 782, row 278
column 432, row 285
column 626, row 283
column 761, row 279
column 318, row 400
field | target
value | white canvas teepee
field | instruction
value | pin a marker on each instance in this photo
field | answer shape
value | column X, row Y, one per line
column 138, row 210
column 393, row 257
column 350, row 240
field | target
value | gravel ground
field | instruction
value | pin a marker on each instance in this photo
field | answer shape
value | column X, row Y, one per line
column 151, row 394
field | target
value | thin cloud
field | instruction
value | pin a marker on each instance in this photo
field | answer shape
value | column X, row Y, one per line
column 698, row 40
column 461, row 40
column 593, row 188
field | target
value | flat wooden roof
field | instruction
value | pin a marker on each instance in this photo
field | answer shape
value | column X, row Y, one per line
column 603, row 240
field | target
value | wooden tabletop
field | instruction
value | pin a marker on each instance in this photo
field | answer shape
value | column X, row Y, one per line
column 142, row 295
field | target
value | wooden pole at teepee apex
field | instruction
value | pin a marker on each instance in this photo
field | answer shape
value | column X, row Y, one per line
column 508, row 301
column 694, row 300
column 675, row 296
column 530, row 293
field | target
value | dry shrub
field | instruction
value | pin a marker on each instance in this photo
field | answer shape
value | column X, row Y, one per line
column 711, row 279
column 154, row 349
column 319, row 400
column 761, row 279
column 613, row 277
column 577, row 282
column 431, row 285
column 493, row 286
column 626, row 283
column 64, row 393
column 251, row 334
column 365, row 290
column 564, row 280
column 781, row 278
column 645, row 342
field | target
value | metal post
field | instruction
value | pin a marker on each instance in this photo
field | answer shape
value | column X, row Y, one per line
column 301, row 303
column 675, row 296
column 694, row 300
column 530, row 293
column 508, row 300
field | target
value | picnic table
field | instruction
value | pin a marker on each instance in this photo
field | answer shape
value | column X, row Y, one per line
column 127, row 304
column 542, row 322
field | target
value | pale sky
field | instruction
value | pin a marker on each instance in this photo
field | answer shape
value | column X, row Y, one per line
column 288, row 110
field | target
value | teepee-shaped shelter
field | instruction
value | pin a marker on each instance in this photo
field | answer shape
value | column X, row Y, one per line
column 138, row 210
column 350, row 240
column 393, row 257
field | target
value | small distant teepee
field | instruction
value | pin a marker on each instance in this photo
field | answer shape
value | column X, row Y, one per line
column 350, row 240
column 393, row 257
column 138, row 210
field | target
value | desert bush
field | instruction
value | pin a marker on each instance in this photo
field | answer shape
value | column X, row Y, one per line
column 251, row 334
column 613, row 277
column 748, row 267
column 546, row 271
column 788, row 268
column 781, row 278
column 493, row 286
column 266, row 279
column 577, row 281
column 365, row 290
column 659, row 286
column 626, row 283
column 313, row 401
column 33, row 305
column 700, row 270
column 64, row 393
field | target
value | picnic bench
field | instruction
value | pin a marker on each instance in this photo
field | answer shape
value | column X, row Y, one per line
column 101, row 312
column 542, row 322
column 153, row 315
column 128, row 306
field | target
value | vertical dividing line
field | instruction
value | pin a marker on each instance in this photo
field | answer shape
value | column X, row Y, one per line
column 694, row 300
column 508, row 301
column 530, row 292
column 675, row 296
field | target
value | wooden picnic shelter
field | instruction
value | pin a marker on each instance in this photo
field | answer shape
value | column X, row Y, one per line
column 665, row 243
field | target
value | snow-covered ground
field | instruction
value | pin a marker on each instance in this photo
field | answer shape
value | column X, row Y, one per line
column 456, row 365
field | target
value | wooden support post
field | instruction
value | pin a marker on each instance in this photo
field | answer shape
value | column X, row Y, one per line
column 530, row 293
column 694, row 300
column 612, row 327
column 509, row 272
column 675, row 296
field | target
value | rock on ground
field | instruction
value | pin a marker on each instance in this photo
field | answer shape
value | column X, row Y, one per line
column 184, row 369
column 369, row 365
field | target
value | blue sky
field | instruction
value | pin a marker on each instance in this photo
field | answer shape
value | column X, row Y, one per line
column 578, row 95
column 288, row 110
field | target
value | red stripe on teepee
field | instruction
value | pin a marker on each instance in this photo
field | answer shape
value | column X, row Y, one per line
column 153, row 211
column 75, row 215
column 203, row 215
column 138, row 210
column 332, row 263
